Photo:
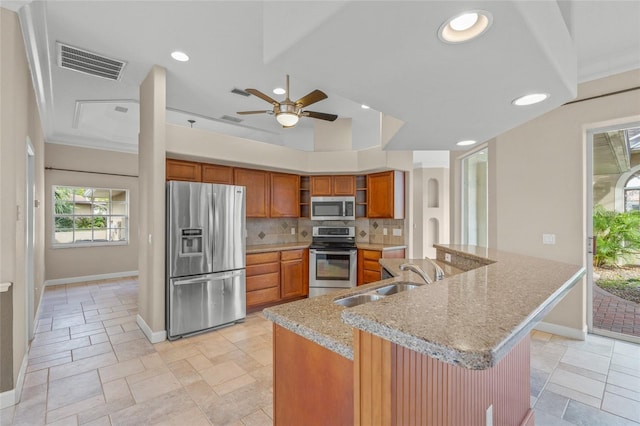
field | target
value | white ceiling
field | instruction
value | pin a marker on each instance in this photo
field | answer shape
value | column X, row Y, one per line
column 385, row 54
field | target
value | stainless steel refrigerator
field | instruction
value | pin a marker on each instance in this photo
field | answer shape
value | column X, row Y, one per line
column 206, row 280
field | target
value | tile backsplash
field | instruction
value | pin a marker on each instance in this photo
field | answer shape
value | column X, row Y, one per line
column 278, row 231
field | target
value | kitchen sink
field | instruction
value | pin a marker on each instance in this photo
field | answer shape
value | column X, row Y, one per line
column 395, row 288
column 357, row 299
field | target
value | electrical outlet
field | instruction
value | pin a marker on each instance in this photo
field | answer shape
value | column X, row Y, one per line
column 397, row 232
column 447, row 257
column 293, row 231
column 384, row 231
column 548, row 238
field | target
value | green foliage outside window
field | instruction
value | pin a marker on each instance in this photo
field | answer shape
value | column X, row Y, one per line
column 617, row 236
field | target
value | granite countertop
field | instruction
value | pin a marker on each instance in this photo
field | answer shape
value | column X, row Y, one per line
column 474, row 318
column 263, row 248
column 471, row 319
column 381, row 247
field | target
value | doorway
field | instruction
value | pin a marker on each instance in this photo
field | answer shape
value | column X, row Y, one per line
column 613, row 225
column 474, row 203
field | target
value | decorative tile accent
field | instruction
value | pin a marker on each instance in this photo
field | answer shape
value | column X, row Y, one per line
column 363, row 234
column 284, row 225
column 375, row 225
column 261, row 235
column 304, row 233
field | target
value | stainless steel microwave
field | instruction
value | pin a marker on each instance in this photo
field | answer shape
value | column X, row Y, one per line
column 333, row 208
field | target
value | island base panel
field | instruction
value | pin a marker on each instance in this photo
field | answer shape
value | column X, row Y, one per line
column 397, row 386
column 312, row 385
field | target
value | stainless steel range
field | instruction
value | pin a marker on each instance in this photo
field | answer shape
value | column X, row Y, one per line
column 333, row 259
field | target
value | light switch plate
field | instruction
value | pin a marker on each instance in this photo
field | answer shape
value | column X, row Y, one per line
column 447, row 257
column 397, row 232
column 384, row 231
column 293, row 231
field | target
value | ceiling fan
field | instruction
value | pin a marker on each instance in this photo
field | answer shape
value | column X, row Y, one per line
column 289, row 112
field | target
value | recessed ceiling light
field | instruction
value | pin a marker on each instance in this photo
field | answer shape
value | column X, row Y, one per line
column 465, row 143
column 465, row 26
column 365, row 106
column 180, row 56
column 530, row 99
column 279, row 91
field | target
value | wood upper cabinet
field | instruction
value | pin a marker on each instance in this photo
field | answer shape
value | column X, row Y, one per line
column 285, row 195
column 326, row 186
column 183, row 170
column 257, row 184
column 385, row 195
column 294, row 273
column 213, row 173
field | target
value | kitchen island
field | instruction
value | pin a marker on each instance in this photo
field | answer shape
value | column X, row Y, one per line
column 452, row 352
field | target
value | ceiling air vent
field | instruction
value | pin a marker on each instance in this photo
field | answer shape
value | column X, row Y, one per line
column 230, row 118
column 240, row 92
column 86, row 62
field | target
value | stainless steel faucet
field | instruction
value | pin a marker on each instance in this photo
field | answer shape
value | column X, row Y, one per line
column 414, row 268
column 439, row 272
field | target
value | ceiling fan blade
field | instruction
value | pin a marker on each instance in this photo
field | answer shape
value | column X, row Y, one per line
column 311, row 98
column 254, row 112
column 320, row 115
column 261, row 95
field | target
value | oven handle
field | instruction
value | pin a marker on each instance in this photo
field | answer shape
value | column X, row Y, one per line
column 331, row 252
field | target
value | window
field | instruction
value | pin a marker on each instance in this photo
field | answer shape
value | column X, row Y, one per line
column 90, row 216
column 475, row 199
column 632, row 194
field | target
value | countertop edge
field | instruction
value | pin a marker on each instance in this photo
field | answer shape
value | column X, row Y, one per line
column 303, row 331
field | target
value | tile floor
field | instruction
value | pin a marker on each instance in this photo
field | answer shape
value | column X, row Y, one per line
column 90, row 364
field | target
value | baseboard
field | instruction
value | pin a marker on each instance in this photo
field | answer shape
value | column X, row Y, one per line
column 73, row 280
column 152, row 336
column 12, row 397
column 561, row 330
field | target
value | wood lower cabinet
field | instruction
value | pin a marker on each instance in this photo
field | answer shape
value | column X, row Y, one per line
column 257, row 184
column 285, row 195
column 213, row 173
column 183, row 170
column 369, row 269
column 294, row 273
column 263, row 278
column 311, row 384
column 385, row 195
column 276, row 276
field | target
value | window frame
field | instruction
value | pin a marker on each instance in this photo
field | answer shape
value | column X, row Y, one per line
column 73, row 215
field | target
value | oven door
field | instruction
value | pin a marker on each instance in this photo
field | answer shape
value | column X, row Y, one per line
column 331, row 270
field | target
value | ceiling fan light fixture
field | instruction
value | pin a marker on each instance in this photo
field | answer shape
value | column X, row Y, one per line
column 465, row 26
column 287, row 119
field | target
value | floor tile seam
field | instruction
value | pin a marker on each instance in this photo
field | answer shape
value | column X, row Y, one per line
column 617, row 414
column 580, row 392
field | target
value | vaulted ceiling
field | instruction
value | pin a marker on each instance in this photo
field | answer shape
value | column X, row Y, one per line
column 385, row 54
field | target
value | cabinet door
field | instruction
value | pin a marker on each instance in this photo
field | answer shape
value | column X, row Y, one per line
column 385, row 195
column 212, row 173
column 285, row 195
column 291, row 284
column 344, row 185
column 321, row 186
column 257, row 184
column 183, row 170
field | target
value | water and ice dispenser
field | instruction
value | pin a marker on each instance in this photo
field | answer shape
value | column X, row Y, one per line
column 191, row 242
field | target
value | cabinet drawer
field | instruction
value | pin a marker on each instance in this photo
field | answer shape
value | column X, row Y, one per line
column 291, row 254
column 266, row 295
column 371, row 254
column 371, row 265
column 257, row 258
column 371, row 276
column 263, row 281
column 263, row 268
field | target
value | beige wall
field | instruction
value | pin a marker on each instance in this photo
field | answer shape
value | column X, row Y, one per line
column 74, row 163
column 19, row 122
column 538, row 182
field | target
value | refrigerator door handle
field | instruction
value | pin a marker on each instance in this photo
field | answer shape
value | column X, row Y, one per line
column 208, row 278
column 212, row 229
